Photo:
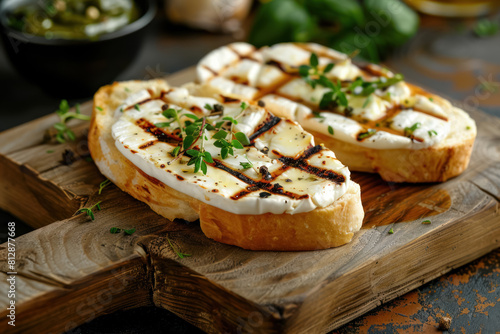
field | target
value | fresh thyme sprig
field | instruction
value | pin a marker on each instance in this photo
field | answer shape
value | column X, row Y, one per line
column 194, row 130
column 361, row 87
column 103, row 185
column 200, row 158
column 311, row 72
column 179, row 254
column 172, row 115
column 313, row 76
column 246, row 165
column 367, row 133
column 249, row 164
column 89, row 212
column 115, row 230
column 234, row 121
column 408, row 131
column 432, row 133
column 227, row 147
column 63, row 132
column 336, row 97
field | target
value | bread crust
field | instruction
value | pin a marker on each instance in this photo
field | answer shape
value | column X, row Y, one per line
column 431, row 164
column 321, row 228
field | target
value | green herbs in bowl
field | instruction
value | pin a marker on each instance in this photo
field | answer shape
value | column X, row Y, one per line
column 71, row 48
column 72, row 19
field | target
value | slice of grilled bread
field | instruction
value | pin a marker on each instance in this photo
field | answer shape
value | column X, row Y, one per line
column 294, row 196
column 387, row 126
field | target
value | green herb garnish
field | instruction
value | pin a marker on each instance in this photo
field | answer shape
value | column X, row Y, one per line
column 175, row 151
column 136, row 107
column 115, row 230
column 366, row 88
column 368, row 100
column 243, row 106
column 313, row 76
column 199, row 160
column 408, row 131
column 227, row 147
column 246, row 165
column 103, row 184
column 88, row 211
column 330, row 130
column 192, row 132
column 129, row 231
column 391, row 231
column 366, row 134
column 426, row 222
column 179, row 254
column 432, row 133
column 318, row 115
column 63, row 132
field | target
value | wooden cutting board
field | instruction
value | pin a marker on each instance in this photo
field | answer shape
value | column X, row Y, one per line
column 71, row 269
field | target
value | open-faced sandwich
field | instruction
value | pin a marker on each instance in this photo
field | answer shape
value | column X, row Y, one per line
column 371, row 118
column 252, row 179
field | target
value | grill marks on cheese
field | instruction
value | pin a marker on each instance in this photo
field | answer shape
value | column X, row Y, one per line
column 267, row 185
column 238, row 70
column 296, row 182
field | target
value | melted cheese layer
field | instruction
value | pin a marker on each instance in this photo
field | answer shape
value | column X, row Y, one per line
column 395, row 108
column 293, row 189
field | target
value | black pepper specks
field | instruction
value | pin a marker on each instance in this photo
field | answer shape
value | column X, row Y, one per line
column 265, row 173
column 277, row 188
column 264, row 195
column 261, row 103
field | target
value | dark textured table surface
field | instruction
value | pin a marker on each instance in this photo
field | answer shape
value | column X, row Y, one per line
column 445, row 57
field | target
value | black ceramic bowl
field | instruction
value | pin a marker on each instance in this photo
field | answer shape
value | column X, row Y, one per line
column 74, row 68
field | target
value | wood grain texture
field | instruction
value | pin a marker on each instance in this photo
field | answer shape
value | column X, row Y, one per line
column 77, row 270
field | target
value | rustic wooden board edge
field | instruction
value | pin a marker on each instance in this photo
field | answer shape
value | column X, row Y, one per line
column 115, row 288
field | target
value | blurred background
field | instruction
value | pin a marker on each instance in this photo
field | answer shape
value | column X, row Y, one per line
column 55, row 49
